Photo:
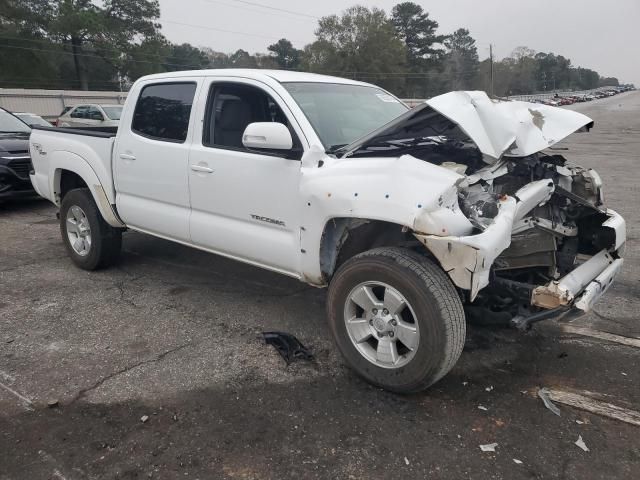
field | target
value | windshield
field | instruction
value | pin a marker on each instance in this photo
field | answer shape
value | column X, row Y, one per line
column 340, row 114
column 33, row 120
column 10, row 124
column 112, row 112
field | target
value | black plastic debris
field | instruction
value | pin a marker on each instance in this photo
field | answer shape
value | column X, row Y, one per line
column 288, row 346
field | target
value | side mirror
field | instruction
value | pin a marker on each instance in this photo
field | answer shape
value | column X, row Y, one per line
column 96, row 116
column 269, row 135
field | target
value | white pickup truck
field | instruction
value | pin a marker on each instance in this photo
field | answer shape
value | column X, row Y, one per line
column 416, row 219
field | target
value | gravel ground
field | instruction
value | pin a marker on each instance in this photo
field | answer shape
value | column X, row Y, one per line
column 172, row 334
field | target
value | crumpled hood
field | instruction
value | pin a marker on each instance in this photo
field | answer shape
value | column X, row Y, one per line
column 511, row 128
column 497, row 127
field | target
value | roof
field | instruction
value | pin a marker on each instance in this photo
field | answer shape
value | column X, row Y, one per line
column 281, row 76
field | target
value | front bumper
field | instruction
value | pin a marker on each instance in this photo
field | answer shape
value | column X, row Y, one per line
column 14, row 178
column 468, row 262
column 583, row 286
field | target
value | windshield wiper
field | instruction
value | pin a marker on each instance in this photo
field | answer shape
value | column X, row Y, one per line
column 336, row 148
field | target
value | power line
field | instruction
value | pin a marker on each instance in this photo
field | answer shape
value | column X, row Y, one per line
column 62, row 52
column 284, row 10
column 205, row 27
column 261, row 12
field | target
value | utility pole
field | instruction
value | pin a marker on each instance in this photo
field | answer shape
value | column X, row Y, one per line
column 491, row 70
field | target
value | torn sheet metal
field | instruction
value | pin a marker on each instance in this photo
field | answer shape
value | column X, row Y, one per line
column 468, row 259
column 515, row 129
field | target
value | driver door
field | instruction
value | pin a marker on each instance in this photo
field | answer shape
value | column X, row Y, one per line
column 244, row 203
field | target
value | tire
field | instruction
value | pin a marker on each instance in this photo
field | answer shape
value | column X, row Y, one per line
column 431, row 302
column 104, row 241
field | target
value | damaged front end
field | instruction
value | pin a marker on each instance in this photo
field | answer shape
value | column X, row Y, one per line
column 539, row 241
column 552, row 245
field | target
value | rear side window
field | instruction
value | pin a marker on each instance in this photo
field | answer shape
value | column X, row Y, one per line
column 163, row 111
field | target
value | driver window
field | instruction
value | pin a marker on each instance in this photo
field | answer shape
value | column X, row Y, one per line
column 93, row 113
column 231, row 107
column 80, row 112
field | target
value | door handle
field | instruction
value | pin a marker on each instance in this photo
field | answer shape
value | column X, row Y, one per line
column 126, row 156
column 201, row 169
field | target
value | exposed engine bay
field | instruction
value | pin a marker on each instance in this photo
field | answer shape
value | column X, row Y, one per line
column 526, row 232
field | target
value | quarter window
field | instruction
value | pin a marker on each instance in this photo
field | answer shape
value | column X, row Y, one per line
column 163, row 111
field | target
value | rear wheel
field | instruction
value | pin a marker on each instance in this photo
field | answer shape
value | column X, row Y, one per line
column 396, row 318
column 91, row 242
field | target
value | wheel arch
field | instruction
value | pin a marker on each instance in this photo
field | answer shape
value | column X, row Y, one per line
column 70, row 173
column 345, row 237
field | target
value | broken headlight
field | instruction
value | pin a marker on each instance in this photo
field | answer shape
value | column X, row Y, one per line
column 479, row 206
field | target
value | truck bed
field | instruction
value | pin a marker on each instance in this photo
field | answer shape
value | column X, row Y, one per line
column 73, row 149
column 103, row 132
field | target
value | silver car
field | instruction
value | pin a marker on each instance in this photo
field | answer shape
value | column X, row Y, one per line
column 91, row 115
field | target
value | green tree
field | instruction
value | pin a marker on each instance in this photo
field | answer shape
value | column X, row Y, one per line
column 106, row 31
column 285, row 54
column 185, row 57
column 461, row 60
column 242, row 59
column 360, row 43
column 425, row 54
column 418, row 32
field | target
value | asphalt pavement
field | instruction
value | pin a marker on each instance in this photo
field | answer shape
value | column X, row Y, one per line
column 156, row 368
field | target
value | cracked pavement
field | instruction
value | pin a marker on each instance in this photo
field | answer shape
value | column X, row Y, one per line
column 174, row 334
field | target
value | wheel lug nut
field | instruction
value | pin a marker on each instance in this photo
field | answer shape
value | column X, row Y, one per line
column 371, row 321
column 394, row 322
column 379, row 334
column 385, row 311
column 391, row 334
column 375, row 311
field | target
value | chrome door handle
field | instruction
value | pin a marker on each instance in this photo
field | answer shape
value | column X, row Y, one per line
column 201, row 169
column 126, row 156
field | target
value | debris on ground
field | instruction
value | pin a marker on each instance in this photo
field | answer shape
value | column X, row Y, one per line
column 519, row 462
column 482, row 407
column 593, row 405
column 288, row 346
column 489, row 388
column 489, row 447
column 579, row 422
column 52, row 403
column 144, row 418
column 406, row 460
column 580, row 443
column 543, row 393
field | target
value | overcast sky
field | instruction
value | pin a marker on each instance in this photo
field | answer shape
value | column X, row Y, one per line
column 592, row 33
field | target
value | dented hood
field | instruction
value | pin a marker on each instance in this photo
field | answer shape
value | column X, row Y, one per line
column 497, row 127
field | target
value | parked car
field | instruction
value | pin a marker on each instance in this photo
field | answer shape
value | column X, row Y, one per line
column 91, row 115
column 413, row 218
column 15, row 162
column 32, row 119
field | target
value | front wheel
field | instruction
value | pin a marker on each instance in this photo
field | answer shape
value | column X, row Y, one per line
column 91, row 242
column 396, row 318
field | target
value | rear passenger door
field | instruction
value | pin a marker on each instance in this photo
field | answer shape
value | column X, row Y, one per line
column 151, row 159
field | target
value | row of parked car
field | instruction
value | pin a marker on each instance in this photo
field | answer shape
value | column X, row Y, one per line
column 15, row 128
column 89, row 115
column 560, row 100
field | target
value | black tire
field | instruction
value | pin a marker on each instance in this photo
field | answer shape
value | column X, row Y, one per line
column 434, row 300
column 106, row 241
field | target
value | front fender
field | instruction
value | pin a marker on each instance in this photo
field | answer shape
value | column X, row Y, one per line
column 400, row 190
